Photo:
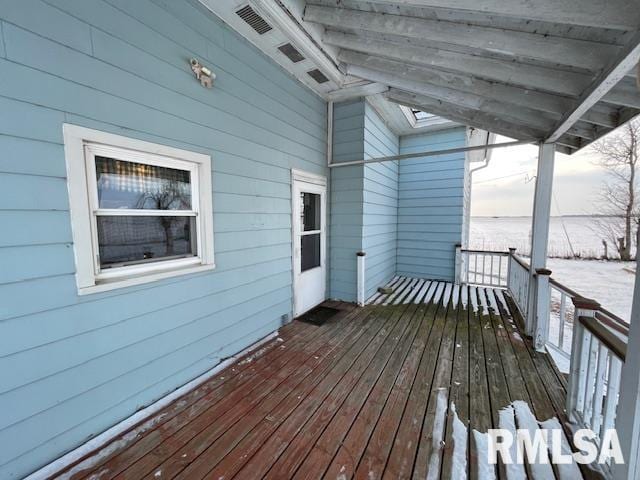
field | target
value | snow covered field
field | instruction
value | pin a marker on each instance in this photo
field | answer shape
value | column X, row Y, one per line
column 568, row 236
column 608, row 282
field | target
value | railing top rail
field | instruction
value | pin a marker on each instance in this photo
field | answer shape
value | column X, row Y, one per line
column 613, row 321
column 609, row 339
column 486, row 252
column 605, row 316
column 521, row 262
column 563, row 288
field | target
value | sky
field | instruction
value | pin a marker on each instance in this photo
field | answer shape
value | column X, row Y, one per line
column 505, row 187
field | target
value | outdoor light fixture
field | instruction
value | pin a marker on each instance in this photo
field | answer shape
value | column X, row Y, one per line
column 202, row 73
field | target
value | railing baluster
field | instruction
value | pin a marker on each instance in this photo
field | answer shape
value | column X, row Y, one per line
column 583, row 359
column 590, row 379
column 613, row 388
column 577, row 368
column 598, row 394
column 563, row 312
column 491, row 270
column 484, row 266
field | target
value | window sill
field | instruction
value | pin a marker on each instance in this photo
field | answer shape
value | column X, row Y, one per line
column 105, row 286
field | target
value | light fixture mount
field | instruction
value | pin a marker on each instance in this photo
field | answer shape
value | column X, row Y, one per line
column 202, row 73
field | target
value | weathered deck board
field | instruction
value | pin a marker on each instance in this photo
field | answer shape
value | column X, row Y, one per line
column 398, row 389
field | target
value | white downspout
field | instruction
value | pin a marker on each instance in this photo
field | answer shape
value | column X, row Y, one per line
column 329, row 132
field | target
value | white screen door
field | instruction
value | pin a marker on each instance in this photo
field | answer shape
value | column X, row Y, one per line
column 309, row 241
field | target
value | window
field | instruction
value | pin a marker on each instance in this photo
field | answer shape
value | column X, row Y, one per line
column 420, row 115
column 139, row 211
column 419, row 119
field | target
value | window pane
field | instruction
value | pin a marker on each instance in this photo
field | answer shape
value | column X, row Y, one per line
column 310, row 211
column 132, row 240
column 136, row 185
column 310, row 246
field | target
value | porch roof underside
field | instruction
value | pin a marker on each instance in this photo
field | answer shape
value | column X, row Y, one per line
column 561, row 71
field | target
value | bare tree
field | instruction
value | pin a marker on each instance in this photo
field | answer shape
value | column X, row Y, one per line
column 170, row 195
column 618, row 154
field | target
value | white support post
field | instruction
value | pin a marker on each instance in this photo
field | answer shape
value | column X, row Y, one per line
column 628, row 412
column 361, row 279
column 510, row 284
column 540, row 225
column 542, row 309
column 584, row 307
column 458, row 272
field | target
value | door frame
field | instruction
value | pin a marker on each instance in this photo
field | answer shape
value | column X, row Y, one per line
column 301, row 176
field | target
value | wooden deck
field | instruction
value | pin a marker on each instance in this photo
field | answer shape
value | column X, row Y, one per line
column 402, row 390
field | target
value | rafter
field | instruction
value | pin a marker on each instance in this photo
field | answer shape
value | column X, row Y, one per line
column 615, row 14
column 554, row 50
column 551, row 104
column 525, row 76
column 466, row 116
column 500, row 124
column 606, row 81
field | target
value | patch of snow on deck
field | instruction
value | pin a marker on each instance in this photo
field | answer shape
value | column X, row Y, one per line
column 459, row 436
column 430, row 293
column 437, row 436
column 483, row 301
column 421, row 294
column 485, row 470
column 514, row 470
column 446, row 298
column 492, row 300
column 438, row 295
column 455, row 296
column 473, row 294
column 464, row 297
column 566, row 471
column 527, row 421
column 502, row 300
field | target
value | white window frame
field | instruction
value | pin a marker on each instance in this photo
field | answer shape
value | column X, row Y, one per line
column 81, row 145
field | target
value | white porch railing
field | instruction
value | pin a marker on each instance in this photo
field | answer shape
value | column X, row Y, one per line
column 479, row 267
column 518, row 282
column 583, row 338
column 598, row 350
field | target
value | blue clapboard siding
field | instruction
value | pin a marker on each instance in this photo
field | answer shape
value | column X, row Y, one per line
column 430, row 205
column 346, row 199
column 70, row 367
column 380, row 202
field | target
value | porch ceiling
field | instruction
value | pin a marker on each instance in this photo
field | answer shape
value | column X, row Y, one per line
column 530, row 70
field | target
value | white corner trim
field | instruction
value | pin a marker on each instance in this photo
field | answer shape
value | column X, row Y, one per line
column 108, row 435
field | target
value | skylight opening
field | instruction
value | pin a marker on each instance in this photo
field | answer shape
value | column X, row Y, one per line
column 420, row 115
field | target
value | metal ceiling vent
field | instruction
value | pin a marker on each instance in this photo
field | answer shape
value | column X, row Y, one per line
column 254, row 20
column 318, row 76
column 291, row 52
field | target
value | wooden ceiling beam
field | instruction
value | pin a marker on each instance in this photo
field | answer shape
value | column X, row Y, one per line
column 512, row 73
column 547, row 104
column 500, row 124
column 554, row 50
column 465, row 116
column 601, row 86
column 614, row 14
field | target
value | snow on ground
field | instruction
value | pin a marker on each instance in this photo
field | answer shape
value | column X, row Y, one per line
column 608, row 282
column 568, row 235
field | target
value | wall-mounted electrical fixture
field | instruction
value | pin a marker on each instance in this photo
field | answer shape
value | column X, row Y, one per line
column 202, row 73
